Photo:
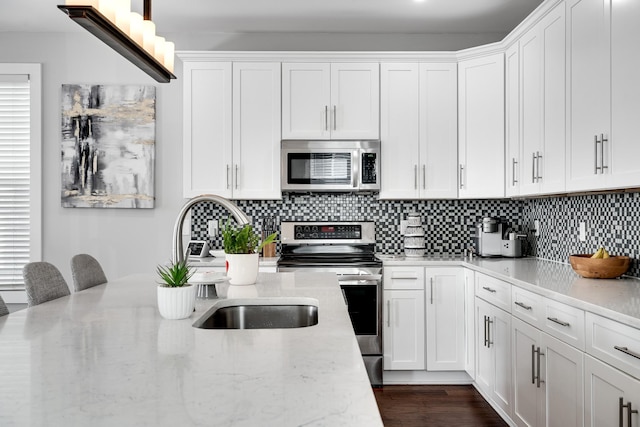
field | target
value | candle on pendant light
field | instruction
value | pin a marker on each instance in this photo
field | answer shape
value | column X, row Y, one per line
column 123, row 14
column 135, row 27
column 149, row 36
column 159, row 49
column 169, row 49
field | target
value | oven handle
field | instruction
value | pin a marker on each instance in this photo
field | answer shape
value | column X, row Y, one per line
column 359, row 279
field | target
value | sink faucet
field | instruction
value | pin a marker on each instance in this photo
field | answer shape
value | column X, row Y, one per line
column 240, row 217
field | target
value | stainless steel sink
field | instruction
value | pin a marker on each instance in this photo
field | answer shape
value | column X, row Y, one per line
column 270, row 313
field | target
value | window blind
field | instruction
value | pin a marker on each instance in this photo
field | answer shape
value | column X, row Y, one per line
column 14, row 178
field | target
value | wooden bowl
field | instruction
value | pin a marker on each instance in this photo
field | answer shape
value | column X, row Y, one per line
column 599, row 268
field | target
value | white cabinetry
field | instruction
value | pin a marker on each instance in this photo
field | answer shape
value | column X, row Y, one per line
column 418, row 130
column 612, row 397
column 481, row 127
column 232, row 129
column 547, row 378
column 603, row 94
column 542, row 105
column 403, row 306
column 330, row 101
column 445, row 310
column 512, row 121
column 493, row 355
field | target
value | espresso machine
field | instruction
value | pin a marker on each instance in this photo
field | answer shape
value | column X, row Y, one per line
column 495, row 238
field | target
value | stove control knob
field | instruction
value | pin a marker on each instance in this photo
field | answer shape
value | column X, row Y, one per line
column 298, row 235
column 306, row 228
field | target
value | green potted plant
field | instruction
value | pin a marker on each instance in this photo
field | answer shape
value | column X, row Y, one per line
column 242, row 247
column 176, row 297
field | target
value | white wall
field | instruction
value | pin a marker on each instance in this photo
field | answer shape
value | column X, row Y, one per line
column 123, row 240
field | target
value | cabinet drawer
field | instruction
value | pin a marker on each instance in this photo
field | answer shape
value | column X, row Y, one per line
column 494, row 291
column 527, row 306
column 403, row 278
column 564, row 322
column 615, row 343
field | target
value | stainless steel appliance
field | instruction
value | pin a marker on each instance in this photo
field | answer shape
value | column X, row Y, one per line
column 348, row 249
column 494, row 238
column 348, row 166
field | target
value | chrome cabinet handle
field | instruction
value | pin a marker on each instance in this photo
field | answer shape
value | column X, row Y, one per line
column 520, row 304
column 431, row 285
column 595, row 154
column 533, row 363
column 334, row 118
column 538, row 175
column 602, row 141
column 228, row 167
column 514, row 162
column 388, row 313
column 625, row 350
column 559, row 322
column 424, row 177
column 486, row 288
column 538, row 355
column 533, row 167
column 326, row 117
column 236, row 177
column 415, row 177
column 461, row 176
column 485, row 331
column 489, row 322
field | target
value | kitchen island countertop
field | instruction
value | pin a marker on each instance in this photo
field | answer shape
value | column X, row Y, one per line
column 104, row 356
column 617, row 299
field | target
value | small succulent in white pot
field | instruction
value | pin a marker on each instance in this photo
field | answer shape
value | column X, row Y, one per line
column 176, row 297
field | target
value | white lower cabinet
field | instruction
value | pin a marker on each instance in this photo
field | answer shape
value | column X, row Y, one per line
column 612, row 398
column 493, row 355
column 403, row 333
column 547, row 378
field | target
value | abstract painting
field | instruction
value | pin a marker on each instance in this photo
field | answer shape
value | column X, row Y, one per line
column 108, row 146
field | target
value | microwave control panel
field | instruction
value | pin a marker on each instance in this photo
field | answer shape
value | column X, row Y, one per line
column 369, row 169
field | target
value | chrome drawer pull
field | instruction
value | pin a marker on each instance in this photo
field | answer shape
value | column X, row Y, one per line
column 559, row 322
column 486, row 288
column 625, row 350
column 630, row 412
column 520, row 304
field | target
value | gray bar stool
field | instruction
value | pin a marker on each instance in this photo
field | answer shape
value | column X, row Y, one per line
column 87, row 272
column 43, row 282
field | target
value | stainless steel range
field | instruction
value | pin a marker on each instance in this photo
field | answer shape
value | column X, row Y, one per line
column 348, row 249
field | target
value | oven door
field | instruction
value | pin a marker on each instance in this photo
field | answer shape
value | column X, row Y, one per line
column 363, row 296
column 319, row 169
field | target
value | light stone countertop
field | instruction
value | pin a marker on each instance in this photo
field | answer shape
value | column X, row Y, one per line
column 105, row 357
column 617, row 299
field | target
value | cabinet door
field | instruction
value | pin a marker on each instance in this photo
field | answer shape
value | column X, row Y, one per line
column 399, row 127
column 552, row 164
column 306, row 100
column 500, row 336
column 403, row 334
column 445, row 310
column 606, row 389
column 625, row 94
column 438, row 131
column 562, row 403
column 531, row 87
column 256, row 131
column 526, row 395
column 207, row 129
column 588, row 113
column 470, row 322
column 355, row 101
column 485, row 360
column 513, row 165
column 481, row 127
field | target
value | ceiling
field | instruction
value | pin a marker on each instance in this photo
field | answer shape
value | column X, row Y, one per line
column 300, row 16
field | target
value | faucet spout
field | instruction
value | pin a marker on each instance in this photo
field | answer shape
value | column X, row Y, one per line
column 240, row 217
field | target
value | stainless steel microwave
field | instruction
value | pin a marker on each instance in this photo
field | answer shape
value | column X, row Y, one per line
column 348, row 166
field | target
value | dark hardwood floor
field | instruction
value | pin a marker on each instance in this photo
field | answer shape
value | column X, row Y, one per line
column 434, row 406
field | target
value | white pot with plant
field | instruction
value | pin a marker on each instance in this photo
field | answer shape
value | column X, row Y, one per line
column 242, row 247
column 176, row 297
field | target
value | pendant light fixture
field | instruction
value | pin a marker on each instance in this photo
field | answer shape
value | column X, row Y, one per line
column 128, row 33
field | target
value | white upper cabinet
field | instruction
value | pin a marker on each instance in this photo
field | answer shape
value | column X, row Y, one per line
column 542, row 106
column 603, row 95
column 256, row 130
column 330, row 101
column 232, row 130
column 512, row 121
column 207, row 150
column 418, row 131
column 481, row 144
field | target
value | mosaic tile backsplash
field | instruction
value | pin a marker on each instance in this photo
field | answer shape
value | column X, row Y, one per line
column 612, row 221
